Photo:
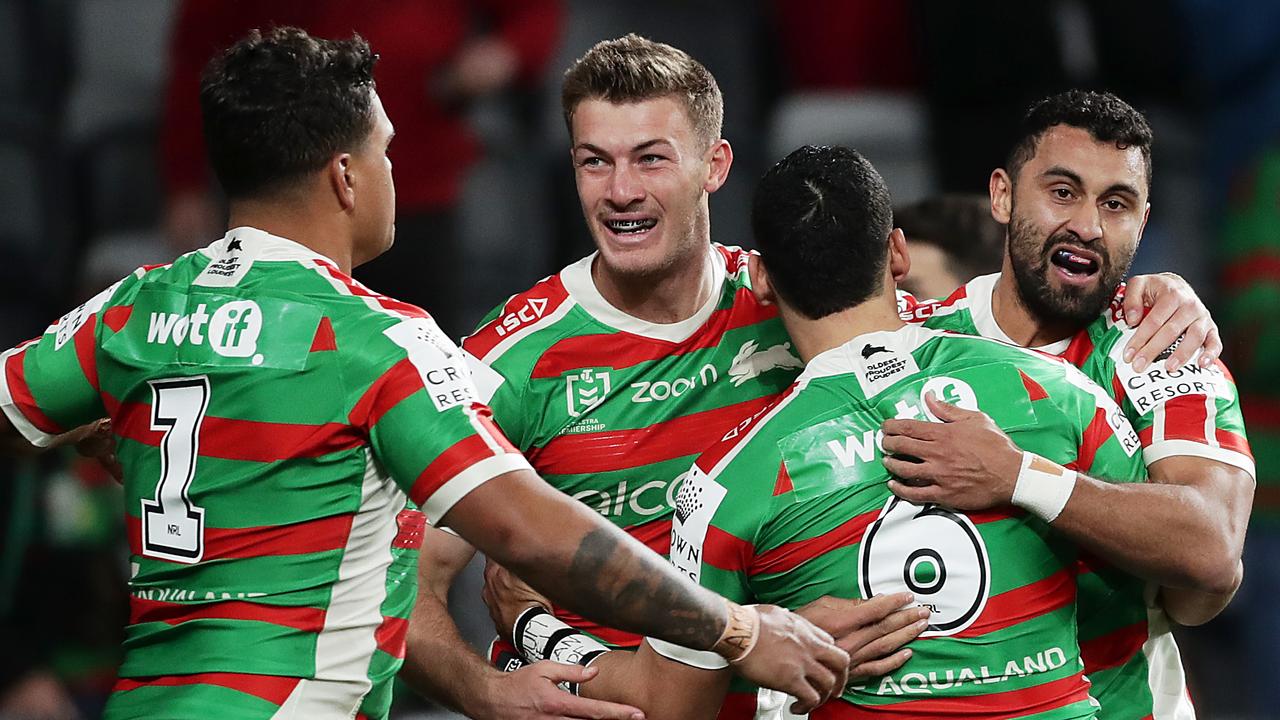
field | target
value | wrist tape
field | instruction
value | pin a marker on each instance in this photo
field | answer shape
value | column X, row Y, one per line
column 539, row 635
column 1043, row 487
column 740, row 633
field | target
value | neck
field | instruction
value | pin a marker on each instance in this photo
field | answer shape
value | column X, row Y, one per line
column 813, row 337
column 315, row 230
column 1015, row 318
column 668, row 297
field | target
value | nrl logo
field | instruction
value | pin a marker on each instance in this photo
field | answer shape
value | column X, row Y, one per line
column 586, row 389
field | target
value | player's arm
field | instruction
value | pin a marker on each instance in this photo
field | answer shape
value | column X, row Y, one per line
column 662, row 685
column 1184, row 528
column 1189, row 607
column 441, row 665
column 438, row 662
column 585, row 564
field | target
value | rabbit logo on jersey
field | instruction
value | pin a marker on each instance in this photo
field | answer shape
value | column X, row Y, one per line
column 231, row 331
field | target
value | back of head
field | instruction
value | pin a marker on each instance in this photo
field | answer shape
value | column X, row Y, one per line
column 634, row 69
column 279, row 105
column 1106, row 117
column 961, row 226
column 821, row 218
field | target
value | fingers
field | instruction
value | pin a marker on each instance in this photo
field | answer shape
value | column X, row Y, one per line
column 919, row 429
column 907, row 445
column 558, row 672
column 1133, row 300
column 907, row 470
column 1212, row 346
column 882, row 666
column 918, row 495
column 572, row 706
column 567, row 705
column 1192, row 341
column 893, row 632
column 1164, row 337
column 945, row 411
column 1155, row 318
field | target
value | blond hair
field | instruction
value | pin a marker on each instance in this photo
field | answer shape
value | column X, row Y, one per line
column 633, row 69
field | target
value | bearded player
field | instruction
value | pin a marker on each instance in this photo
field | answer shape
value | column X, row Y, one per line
column 1074, row 195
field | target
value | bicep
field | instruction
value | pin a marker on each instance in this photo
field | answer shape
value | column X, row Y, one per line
column 1226, row 488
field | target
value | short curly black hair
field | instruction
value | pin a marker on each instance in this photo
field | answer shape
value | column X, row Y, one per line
column 821, row 217
column 1105, row 116
column 278, row 105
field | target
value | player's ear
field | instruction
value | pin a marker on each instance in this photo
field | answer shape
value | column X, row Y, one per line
column 899, row 258
column 719, row 160
column 760, row 285
column 342, row 181
column 1000, row 186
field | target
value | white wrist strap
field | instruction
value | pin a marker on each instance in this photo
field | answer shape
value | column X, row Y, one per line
column 1043, row 487
column 539, row 635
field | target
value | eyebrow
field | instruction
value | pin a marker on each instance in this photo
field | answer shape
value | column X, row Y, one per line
column 642, row 146
column 1116, row 188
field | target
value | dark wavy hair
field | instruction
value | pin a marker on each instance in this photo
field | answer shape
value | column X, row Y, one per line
column 1105, row 116
column 278, row 105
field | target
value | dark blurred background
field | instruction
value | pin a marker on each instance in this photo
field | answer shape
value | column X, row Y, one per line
column 102, row 170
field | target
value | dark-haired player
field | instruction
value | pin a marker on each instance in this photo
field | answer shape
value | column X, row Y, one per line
column 1074, row 198
column 793, row 504
column 274, row 417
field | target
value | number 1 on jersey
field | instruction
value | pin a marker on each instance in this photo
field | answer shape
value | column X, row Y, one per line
column 173, row 528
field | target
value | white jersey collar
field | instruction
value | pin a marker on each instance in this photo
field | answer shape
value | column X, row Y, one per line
column 980, row 292
column 258, row 244
column 849, row 358
column 577, row 281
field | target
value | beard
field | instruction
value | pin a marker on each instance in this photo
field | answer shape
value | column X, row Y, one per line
column 1050, row 302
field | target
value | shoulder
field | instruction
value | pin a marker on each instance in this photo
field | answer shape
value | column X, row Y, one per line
column 514, row 323
column 754, row 438
column 930, row 311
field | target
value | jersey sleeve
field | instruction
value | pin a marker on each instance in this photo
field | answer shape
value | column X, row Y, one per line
column 426, row 423
column 1108, row 443
column 49, row 385
column 1190, row 411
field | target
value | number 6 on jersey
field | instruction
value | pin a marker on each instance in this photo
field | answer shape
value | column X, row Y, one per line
column 933, row 553
column 172, row 528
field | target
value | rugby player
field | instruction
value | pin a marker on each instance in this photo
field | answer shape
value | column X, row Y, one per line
column 1074, row 198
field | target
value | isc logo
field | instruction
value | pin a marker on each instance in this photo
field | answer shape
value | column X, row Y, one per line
column 530, row 311
column 232, row 330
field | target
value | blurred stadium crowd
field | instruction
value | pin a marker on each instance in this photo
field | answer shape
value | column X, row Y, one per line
column 104, row 171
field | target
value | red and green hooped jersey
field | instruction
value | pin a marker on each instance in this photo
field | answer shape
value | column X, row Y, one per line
column 271, row 416
column 793, row 504
column 612, row 410
column 1130, row 656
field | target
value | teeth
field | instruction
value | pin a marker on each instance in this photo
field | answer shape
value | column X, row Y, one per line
column 630, row 226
